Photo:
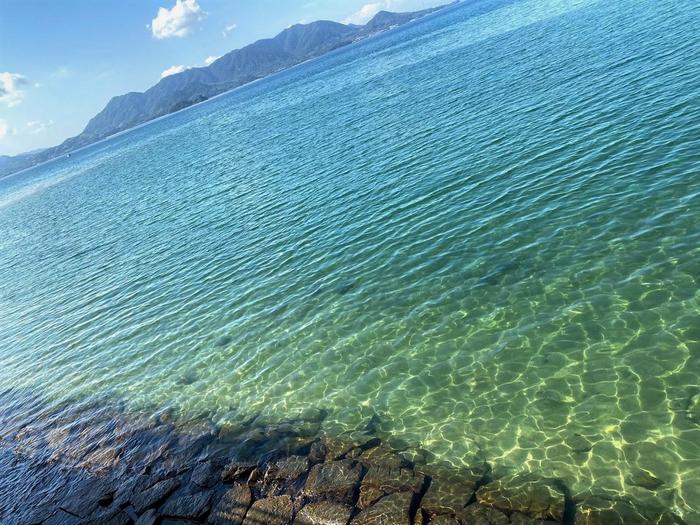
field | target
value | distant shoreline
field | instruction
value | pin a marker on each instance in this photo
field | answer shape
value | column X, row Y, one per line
column 11, row 165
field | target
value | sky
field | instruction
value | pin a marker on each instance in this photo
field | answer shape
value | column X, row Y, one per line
column 61, row 61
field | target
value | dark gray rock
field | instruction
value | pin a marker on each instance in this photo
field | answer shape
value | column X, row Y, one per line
column 237, row 470
column 525, row 493
column 205, row 474
column 190, row 506
column 61, row 517
column 148, row 518
column 324, row 513
column 232, row 507
column 317, row 453
column 381, row 456
column 336, row 448
column 393, row 509
column 335, row 480
column 289, row 469
column 277, row 510
column 154, row 495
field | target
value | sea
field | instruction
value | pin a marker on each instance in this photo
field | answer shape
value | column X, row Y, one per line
column 477, row 234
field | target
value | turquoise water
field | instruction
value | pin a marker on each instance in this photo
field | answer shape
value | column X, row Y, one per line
column 484, row 228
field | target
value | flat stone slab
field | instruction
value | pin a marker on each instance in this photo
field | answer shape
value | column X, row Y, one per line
column 277, row 510
column 61, row 517
column 205, row 474
column 450, row 491
column 393, row 509
column 524, row 493
column 237, row 470
column 479, row 515
column 148, row 518
column 444, row 520
column 335, row 480
column 289, row 469
column 191, row 506
column 521, row 519
column 324, row 513
column 152, row 496
column 383, row 479
column 232, row 507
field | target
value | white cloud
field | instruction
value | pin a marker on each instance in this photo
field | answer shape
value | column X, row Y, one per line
column 229, row 29
column 10, row 92
column 210, row 60
column 173, row 70
column 178, row 21
column 4, row 128
column 365, row 13
column 36, row 126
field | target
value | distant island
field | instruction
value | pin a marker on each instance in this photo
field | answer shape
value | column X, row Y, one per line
column 292, row 46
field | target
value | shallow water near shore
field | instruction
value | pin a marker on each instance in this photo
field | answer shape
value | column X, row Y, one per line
column 478, row 235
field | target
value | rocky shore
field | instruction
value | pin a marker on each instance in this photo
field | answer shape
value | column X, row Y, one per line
column 86, row 465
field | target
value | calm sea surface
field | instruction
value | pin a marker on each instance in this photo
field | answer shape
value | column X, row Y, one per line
column 481, row 232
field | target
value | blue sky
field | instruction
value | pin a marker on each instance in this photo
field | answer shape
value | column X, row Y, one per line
column 61, row 61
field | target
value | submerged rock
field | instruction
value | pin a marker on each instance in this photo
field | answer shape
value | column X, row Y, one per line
column 288, row 469
column 237, row 470
column 521, row 519
column 450, row 490
column 525, row 493
column 277, row 510
column 394, row 509
column 381, row 480
column 603, row 511
column 224, row 340
column 61, row 517
column 154, row 495
column 641, row 478
column 205, row 474
column 232, row 507
column 148, row 518
column 191, row 506
column 324, row 513
column 317, row 452
column 479, row 515
column 444, row 520
column 335, row 480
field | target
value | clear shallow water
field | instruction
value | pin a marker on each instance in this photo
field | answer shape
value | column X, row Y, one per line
column 484, row 228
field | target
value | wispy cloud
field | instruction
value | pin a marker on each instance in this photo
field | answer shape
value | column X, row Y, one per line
column 229, row 29
column 365, row 13
column 36, row 126
column 4, row 128
column 173, row 70
column 178, row 21
column 10, row 92
column 210, row 60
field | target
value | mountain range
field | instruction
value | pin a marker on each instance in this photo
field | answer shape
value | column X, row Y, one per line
column 292, row 46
